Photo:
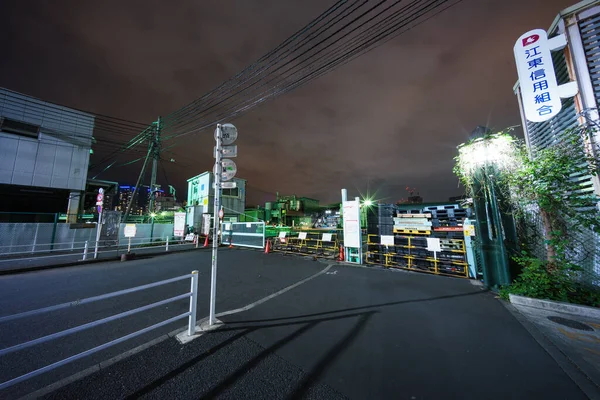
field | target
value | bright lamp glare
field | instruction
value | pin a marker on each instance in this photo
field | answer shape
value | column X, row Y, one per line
column 498, row 150
column 368, row 202
column 153, row 215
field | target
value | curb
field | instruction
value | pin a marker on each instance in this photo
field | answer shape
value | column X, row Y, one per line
column 556, row 306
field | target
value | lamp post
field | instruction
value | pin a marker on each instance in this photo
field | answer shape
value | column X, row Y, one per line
column 484, row 159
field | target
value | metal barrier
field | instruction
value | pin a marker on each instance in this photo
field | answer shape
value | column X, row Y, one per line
column 88, row 249
column 191, row 314
column 244, row 234
column 410, row 252
column 309, row 242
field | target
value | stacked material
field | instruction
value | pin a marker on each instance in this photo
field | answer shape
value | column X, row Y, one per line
column 415, row 224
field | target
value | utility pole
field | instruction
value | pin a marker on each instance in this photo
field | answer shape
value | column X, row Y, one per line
column 155, row 143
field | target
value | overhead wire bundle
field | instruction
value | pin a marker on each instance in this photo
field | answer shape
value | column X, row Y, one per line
column 343, row 32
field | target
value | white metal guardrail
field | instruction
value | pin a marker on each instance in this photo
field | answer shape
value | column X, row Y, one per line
column 191, row 314
column 89, row 247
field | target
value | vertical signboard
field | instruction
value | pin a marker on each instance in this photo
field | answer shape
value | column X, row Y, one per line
column 352, row 224
column 537, row 79
column 179, row 224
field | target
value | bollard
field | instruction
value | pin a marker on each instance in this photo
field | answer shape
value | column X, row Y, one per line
column 96, row 250
column 193, row 301
column 167, row 245
column 197, row 240
column 85, row 250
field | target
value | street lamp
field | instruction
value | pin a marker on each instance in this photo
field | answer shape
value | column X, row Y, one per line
column 482, row 161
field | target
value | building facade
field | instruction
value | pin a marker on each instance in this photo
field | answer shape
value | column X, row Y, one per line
column 44, row 154
column 201, row 196
column 578, row 62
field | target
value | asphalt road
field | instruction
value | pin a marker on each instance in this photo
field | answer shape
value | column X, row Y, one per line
column 348, row 333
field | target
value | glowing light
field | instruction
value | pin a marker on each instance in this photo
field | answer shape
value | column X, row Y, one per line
column 153, row 215
column 368, row 202
column 498, row 150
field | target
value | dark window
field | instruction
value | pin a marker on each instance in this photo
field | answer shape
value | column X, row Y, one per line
column 230, row 192
column 19, row 128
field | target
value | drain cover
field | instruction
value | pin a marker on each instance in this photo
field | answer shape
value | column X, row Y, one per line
column 571, row 323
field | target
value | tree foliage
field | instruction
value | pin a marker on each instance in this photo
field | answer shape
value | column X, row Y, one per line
column 550, row 182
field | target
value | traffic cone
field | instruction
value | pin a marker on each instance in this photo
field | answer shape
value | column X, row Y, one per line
column 206, row 241
column 268, row 247
column 341, row 257
column 231, row 245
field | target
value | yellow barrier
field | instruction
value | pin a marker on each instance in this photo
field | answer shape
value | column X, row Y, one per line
column 406, row 254
column 309, row 243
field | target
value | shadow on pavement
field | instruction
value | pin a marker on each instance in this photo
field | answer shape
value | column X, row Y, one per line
column 231, row 379
column 165, row 378
column 393, row 303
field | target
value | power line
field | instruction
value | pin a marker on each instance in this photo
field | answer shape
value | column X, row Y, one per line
column 252, row 66
column 391, row 26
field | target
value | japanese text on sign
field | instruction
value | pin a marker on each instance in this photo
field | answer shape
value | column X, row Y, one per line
column 537, row 79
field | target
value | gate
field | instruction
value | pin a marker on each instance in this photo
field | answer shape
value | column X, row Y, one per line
column 244, row 234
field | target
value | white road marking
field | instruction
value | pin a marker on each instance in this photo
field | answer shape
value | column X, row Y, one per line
column 202, row 326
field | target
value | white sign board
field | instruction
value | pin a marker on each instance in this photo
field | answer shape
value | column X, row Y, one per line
column 226, row 151
column 537, row 79
column 352, row 224
column 179, row 224
column 302, row 236
column 130, row 230
column 326, row 237
column 434, row 244
column 229, row 134
column 282, row 235
column 387, row 240
column 206, row 224
column 228, row 169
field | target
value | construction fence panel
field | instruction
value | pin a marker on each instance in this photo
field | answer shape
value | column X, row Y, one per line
column 244, row 234
column 26, row 237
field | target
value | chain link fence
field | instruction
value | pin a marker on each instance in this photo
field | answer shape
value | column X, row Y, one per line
column 584, row 247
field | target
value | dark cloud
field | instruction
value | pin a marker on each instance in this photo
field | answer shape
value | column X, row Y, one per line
column 389, row 119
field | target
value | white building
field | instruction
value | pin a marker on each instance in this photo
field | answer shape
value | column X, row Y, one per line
column 201, row 195
column 44, row 154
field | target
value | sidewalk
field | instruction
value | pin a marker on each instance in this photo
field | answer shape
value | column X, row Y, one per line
column 574, row 333
column 66, row 259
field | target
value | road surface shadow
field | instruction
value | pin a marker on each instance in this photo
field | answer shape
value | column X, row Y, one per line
column 371, row 306
column 231, row 379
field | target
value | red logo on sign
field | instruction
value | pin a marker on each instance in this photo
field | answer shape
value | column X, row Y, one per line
column 530, row 40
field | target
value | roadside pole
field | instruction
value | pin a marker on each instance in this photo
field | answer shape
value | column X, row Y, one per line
column 224, row 170
column 100, row 205
column 215, row 244
column 98, row 230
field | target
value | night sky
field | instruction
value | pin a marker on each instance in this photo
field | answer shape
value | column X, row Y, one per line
column 387, row 120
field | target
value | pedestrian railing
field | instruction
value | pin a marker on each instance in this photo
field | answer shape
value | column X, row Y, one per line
column 191, row 315
column 92, row 249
